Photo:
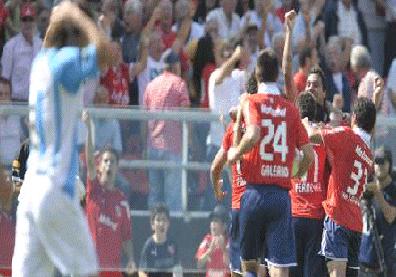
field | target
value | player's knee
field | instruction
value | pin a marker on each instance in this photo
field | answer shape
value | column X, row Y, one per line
column 276, row 271
column 249, row 266
column 336, row 268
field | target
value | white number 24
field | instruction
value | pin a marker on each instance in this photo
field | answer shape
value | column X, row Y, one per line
column 277, row 136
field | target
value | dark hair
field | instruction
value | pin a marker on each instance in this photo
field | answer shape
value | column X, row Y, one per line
column 304, row 55
column 365, row 114
column 203, row 56
column 108, row 148
column 159, row 208
column 306, row 105
column 251, row 84
column 267, row 68
column 317, row 70
column 383, row 153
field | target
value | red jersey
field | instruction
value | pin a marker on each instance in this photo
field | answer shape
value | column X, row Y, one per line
column 351, row 161
column 116, row 81
column 215, row 266
column 109, row 220
column 270, row 161
column 7, row 240
column 238, row 183
column 309, row 192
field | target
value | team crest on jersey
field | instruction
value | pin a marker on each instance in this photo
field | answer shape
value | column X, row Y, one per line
column 118, row 211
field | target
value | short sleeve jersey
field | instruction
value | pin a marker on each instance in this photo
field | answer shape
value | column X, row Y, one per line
column 238, row 183
column 271, row 159
column 309, row 192
column 109, row 221
column 351, row 162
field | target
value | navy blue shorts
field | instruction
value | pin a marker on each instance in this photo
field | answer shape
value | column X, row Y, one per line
column 308, row 234
column 266, row 223
column 235, row 253
column 340, row 244
column 235, row 250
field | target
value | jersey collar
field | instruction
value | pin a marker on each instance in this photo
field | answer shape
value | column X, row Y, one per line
column 268, row 88
column 366, row 137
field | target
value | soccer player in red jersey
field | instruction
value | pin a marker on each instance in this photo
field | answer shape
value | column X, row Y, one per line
column 350, row 157
column 307, row 195
column 238, row 184
column 273, row 132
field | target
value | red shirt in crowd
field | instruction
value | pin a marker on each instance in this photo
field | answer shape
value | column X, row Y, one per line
column 300, row 80
column 167, row 91
column 7, row 241
column 309, row 192
column 215, row 266
column 116, row 81
column 351, row 160
column 109, row 220
column 270, row 161
column 238, row 184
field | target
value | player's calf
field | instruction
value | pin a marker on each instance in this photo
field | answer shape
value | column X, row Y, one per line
column 337, row 268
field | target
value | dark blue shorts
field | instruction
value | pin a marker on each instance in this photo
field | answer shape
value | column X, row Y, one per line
column 266, row 223
column 340, row 244
column 308, row 234
column 235, row 253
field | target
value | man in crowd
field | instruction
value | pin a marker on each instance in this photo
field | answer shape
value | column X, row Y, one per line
column 107, row 209
column 167, row 91
column 18, row 55
column 384, row 215
column 348, row 149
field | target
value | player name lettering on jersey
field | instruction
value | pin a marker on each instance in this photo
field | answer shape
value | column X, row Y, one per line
column 308, row 187
column 278, row 112
column 362, row 154
column 274, row 171
column 105, row 220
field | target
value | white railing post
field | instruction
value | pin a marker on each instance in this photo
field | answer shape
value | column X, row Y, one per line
column 184, row 167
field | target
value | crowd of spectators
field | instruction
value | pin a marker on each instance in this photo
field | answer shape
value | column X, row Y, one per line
column 199, row 54
column 215, row 44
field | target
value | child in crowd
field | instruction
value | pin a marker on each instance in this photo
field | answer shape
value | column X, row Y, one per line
column 212, row 253
column 159, row 257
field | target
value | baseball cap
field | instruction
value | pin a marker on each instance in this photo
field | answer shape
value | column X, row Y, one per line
column 381, row 154
column 27, row 10
column 219, row 212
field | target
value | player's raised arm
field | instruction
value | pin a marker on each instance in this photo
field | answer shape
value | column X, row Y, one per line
column 287, row 70
column 89, row 148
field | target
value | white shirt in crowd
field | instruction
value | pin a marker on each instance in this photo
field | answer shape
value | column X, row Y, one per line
column 274, row 25
column 10, row 138
column 387, row 108
column 222, row 98
column 196, row 32
column 16, row 62
column 347, row 23
column 226, row 30
column 153, row 69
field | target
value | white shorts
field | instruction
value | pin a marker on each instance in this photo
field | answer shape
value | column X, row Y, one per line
column 51, row 230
